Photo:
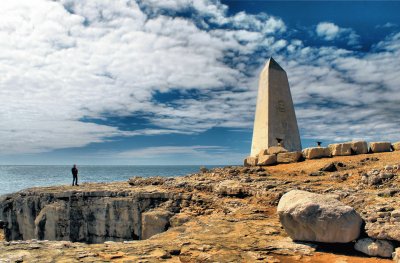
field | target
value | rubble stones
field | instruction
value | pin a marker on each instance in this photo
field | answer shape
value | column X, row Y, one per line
column 313, row 217
column 380, row 248
column 376, row 176
column 377, row 147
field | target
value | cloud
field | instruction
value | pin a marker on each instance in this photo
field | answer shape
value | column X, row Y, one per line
column 151, row 152
column 64, row 62
column 330, row 31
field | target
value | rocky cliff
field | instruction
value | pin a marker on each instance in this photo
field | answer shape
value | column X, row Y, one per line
column 93, row 214
column 221, row 215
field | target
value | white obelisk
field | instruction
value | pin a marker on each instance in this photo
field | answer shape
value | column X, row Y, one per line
column 275, row 119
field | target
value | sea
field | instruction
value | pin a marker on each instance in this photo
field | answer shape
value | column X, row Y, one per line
column 14, row 178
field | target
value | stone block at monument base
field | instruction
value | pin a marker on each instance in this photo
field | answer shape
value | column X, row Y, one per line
column 359, row 147
column 377, row 147
column 269, row 159
column 276, row 150
column 250, row 161
column 396, row 146
column 340, row 149
column 316, row 152
column 289, row 157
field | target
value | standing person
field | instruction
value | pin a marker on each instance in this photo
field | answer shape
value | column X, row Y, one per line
column 74, row 171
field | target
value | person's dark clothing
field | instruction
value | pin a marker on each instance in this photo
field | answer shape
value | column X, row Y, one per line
column 74, row 176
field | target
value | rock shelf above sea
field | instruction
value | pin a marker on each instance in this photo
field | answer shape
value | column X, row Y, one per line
column 221, row 215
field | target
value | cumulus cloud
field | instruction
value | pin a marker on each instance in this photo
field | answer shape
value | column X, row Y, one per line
column 330, row 31
column 64, row 61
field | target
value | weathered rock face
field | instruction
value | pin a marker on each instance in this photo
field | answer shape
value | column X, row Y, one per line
column 313, row 217
column 380, row 248
column 378, row 147
column 316, row 152
column 340, row 149
column 155, row 222
column 92, row 217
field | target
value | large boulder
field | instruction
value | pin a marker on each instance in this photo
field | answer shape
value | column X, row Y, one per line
column 378, row 147
column 155, row 222
column 396, row 146
column 250, row 161
column 380, row 248
column 313, row 217
column 359, row 147
column 289, row 157
column 316, row 152
column 340, row 149
column 269, row 159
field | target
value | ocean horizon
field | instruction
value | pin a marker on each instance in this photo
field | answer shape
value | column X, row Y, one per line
column 14, row 178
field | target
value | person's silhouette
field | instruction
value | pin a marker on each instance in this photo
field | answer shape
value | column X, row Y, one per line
column 74, row 171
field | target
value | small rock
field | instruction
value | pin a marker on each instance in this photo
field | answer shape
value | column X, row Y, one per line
column 381, row 248
column 330, row 167
column 319, row 173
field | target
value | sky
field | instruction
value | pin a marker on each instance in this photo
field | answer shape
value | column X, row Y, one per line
column 147, row 82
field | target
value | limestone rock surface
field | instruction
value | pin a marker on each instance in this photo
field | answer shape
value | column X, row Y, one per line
column 340, row 149
column 266, row 159
column 316, row 152
column 230, row 188
column 91, row 216
column 359, row 147
column 377, row 147
column 289, row 157
column 313, row 217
